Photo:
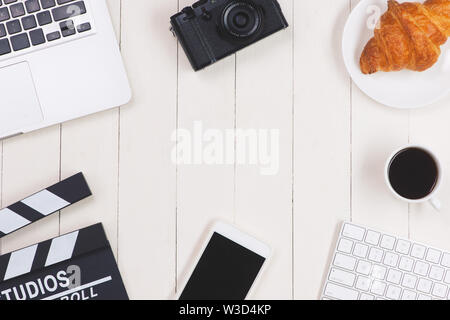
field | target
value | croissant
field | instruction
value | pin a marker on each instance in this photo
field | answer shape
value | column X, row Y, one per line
column 408, row 36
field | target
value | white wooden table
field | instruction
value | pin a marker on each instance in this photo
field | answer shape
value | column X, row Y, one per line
column 333, row 144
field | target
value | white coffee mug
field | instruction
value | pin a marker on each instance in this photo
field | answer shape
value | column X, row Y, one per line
column 431, row 197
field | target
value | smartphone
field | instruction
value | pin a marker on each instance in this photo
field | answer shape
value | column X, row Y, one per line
column 229, row 265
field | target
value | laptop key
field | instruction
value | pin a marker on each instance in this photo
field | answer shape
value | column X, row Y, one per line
column 84, row 27
column 4, row 14
column 9, row 1
column 67, row 28
column 53, row 36
column 44, row 18
column 2, row 31
column 29, row 22
column 32, row 6
column 37, row 37
column 20, row 42
column 17, row 10
column 47, row 4
column 64, row 1
column 13, row 26
column 4, row 47
column 68, row 11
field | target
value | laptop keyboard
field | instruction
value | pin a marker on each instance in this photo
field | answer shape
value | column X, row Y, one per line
column 27, row 25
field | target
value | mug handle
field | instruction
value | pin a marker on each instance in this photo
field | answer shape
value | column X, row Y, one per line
column 436, row 204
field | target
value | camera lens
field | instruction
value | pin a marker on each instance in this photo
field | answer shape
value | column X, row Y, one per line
column 241, row 19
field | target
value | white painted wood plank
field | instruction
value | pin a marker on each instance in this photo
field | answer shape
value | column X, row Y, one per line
column 147, row 176
column 264, row 202
column 377, row 132
column 205, row 191
column 429, row 127
column 90, row 145
column 30, row 163
column 322, row 140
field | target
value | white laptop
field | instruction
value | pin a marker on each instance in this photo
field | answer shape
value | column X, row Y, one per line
column 59, row 60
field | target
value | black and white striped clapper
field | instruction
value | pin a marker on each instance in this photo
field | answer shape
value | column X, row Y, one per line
column 43, row 203
column 76, row 266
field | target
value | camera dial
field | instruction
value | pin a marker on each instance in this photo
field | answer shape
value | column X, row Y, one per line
column 241, row 19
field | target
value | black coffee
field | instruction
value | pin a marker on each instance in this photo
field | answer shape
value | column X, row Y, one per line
column 413, row 173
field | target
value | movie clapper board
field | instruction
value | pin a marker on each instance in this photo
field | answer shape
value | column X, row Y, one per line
column 76, row 266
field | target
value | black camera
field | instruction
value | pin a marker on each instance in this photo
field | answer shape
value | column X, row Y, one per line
column 213, row 29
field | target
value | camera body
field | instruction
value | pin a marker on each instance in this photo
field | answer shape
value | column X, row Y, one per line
column 214, row 29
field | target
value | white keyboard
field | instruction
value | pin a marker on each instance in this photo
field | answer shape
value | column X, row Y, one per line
column 372, row 265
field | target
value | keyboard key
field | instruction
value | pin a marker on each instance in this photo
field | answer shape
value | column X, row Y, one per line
column 17, row 10
column 363, row 283
column 20, row 42
column 408, row 295
column 345, row 245
column 353, row 232
column 421, row 268
column 447, row 277
column 394, row 276
column 433, row 256
column 47, row 4
column 69, row 11
column 379, row 272
column 391, row 259
column 2, row 31
column 342, row 277
column 53, row 36
column 387, row 242
column 376, row 254
column 37, row 37
column 32, row 6
column 436, row 273
column 418, row 251
column 439, row 290
column 84, row 27
column 406, row 264
column 9, row 1
column 13, row 26
column 44, row 18
column 424, row 285
column 378, row 288
column 423, row 297
column 446, row 260
column 364, row 267
column 365, row 296
column 373, row 237
column 393, row 292
column 339, row 292
column 344, row 262
column 4, row 47
column 403, row 246
column 360, row 250
column 4, row 14
column 29, row 22
column 409, row 281
column 64, row 1
column 67, row 28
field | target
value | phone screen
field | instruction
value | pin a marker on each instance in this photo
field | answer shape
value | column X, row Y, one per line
column 226, row 271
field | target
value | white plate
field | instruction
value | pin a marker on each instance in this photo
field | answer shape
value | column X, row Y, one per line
column 403, row 89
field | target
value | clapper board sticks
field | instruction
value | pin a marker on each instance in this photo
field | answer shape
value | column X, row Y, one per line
column 43, row 203
column 76, row 266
